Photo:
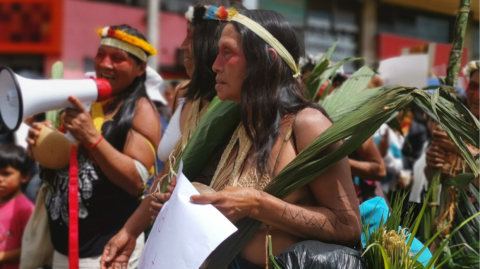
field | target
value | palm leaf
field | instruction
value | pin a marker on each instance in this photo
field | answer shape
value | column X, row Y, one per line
column 213, row 130
column 357, row 127
column 352, row 92
column 321, row 72
column 460, row 180
column 385, row 259
column 467, row 237
column 457, row 43
column 437, row 254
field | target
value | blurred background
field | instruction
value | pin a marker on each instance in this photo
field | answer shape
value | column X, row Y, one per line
column 36, row 33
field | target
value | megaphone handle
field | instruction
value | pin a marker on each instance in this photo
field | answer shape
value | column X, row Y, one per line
column 68, row 135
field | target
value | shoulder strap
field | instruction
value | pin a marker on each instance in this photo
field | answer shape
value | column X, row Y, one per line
column 155, row 171
column 291, row 120
column 97, row 116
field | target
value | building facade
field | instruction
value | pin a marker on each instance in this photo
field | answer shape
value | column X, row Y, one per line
column 37, row 33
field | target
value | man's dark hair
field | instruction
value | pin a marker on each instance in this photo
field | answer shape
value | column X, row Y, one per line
column 339, row 78
column 16, row 157
column 269, row 90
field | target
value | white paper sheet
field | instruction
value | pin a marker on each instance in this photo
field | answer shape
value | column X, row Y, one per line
column 407, row 70
column 184, row 234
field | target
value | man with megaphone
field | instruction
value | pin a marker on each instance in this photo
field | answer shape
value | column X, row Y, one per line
column 116, row 142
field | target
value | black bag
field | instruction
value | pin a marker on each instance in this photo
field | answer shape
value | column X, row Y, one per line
column 315, row 254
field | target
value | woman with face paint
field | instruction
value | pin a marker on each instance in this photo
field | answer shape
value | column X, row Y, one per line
column 257, row 67
column 116, row 152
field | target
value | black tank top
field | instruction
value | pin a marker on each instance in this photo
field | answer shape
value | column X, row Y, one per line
column 103, row 208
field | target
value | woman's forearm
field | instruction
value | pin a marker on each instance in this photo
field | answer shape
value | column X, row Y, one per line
column 140, row 219
column 367, row 170
column 328, row 225
column 118, row 167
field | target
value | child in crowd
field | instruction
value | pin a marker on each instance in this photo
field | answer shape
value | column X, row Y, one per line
column 15, row 208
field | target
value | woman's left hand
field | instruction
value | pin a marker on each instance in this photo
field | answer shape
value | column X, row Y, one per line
column 79, row 123
column 234, row 202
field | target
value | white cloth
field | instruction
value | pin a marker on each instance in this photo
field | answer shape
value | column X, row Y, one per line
column 153, row 85
column 171, row 135
column 392, row 165
column 20, row 135
column 60, row 261
column 420, row 181
column 142, row 171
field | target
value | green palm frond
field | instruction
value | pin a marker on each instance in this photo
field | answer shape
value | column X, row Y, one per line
column 214, row 129
column 467, row 238
column 457, row 44
column 352, row 94
column 322, row 71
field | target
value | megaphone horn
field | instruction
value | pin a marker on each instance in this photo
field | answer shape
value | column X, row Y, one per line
column 21, row 98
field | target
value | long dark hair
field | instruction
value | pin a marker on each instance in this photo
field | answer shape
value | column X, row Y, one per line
column 206, row 34
column 269, row 90
column 115, row 132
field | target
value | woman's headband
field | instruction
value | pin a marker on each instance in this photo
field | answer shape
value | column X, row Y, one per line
column 129, row 43
column 230, row 14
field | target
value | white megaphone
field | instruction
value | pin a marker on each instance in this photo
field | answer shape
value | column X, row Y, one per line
column 21, row 98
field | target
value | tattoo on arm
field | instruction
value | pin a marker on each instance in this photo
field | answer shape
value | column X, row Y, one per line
column 310, row 219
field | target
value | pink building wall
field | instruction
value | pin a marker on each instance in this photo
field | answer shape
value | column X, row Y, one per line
column 82, row 19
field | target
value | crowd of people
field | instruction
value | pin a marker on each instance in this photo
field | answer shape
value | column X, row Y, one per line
column 129, row 144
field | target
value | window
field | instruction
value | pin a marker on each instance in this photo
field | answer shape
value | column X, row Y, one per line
column 176, row 6
column 414, row 23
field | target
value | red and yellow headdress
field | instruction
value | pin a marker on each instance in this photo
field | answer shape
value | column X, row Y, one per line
column 129, row 43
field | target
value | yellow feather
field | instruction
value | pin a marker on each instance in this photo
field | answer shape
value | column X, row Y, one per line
column 232, row 12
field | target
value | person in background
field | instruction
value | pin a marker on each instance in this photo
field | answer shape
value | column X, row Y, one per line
column 15, row 208
column 443, row 154
column 442, row 148
column 170, row 93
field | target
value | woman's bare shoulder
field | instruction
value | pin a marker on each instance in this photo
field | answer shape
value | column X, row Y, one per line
column 311, row 117
column 309, row 124
column 147, row 120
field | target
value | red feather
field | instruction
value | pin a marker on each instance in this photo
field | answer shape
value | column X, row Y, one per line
column 222, row 13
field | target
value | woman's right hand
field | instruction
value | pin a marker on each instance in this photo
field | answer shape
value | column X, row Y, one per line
column 442, row 140
column 34, row 133
column 118, row 250
column 435, row 156
column 160, row 198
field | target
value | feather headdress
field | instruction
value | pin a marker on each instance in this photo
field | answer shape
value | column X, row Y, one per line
column 209, row 12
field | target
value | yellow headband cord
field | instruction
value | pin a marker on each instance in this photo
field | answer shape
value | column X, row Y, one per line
column 270, row 39
column 129, row 43
column 119, row 44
